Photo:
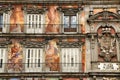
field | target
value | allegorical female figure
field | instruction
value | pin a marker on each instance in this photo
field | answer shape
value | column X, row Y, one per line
column 53, row 20
column 17, row 20
column 52, row 56
column 15, row 57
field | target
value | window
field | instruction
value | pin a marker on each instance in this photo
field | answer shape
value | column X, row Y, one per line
column 2, row 59
column 33, row 60
column 70, row 23
column 34, row 22
column 1, row 22
column 70, row 59
column 4, row 22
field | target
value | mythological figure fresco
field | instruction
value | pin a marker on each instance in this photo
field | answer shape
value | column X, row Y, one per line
column 71, row 79
column 107, row 44
column 15, row 58
column 17, row 19
column 52, row 20
column 51, row 79
column 52, row 57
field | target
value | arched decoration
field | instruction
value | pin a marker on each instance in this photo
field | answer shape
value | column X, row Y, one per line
column 107, row 44
column 104, row 16
column 116, row 28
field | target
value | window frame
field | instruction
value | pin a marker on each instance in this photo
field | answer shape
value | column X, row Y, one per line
column 32, row 58
column 70, row 27
column 29, row 26
column 3, row 58
column 71, row 67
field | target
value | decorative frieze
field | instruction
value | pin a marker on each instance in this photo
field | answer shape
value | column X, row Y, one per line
column 5, row 8
column 34, row 9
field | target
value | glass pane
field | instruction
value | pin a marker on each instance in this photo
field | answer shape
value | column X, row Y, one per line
column 66, row 21
column 1, row 62
column 73, row 21
column 14, row 79
column 1, row 22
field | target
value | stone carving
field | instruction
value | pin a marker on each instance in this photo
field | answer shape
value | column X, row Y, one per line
column 104, row 78
column 108, row 66
column 107, row 45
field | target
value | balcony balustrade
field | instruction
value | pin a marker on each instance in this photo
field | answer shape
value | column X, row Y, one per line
column 38, row 67
column 40, row 28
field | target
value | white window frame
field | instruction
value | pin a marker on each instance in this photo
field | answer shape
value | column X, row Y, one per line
column 76, row 24
column 35, row 57
column 5, row 22
column 34, row 23
column 69, row 65
column 2, row 59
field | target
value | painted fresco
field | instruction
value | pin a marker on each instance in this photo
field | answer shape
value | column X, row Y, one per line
column 17, row 19
column 52, row 20
column 51, row 79
column 52, row 56
column 97, row 10
column 70, row 78
column 15, row 58
column 82, row 21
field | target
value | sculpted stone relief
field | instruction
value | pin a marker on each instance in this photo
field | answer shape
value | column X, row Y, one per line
column 104, row 78
column 106, row 41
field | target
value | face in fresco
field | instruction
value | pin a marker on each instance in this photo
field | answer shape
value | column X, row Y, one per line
column 51, row 44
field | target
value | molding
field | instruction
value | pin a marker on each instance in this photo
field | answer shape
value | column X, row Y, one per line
column 69, row 11
column 5, row 9
column 86, row 2
column 70, row 44
column 34, row 9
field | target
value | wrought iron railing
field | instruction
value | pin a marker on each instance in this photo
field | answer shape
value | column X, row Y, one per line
column 40, row 67
column 40, row 28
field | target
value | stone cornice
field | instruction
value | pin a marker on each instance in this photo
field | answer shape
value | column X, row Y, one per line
column 34, row 9
column 86, row 2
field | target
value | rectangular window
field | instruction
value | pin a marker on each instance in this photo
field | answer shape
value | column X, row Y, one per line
column 70, row 60
column 1, row 22
column 34, row 23
column 2, row 59
column 4, row 22
column 34, row 60
column 70, row 23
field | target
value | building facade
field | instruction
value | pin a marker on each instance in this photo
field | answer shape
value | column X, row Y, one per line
column 60, row 40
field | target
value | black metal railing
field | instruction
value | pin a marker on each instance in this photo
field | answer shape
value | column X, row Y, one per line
column 40, row 28
column 40, row 67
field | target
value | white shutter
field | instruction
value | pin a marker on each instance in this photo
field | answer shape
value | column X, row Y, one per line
column 38, row 28
column 2, row 59
column 34, row 23
column 70, row 59
column 33, row 60
column 6, row 20
column 27, row 25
